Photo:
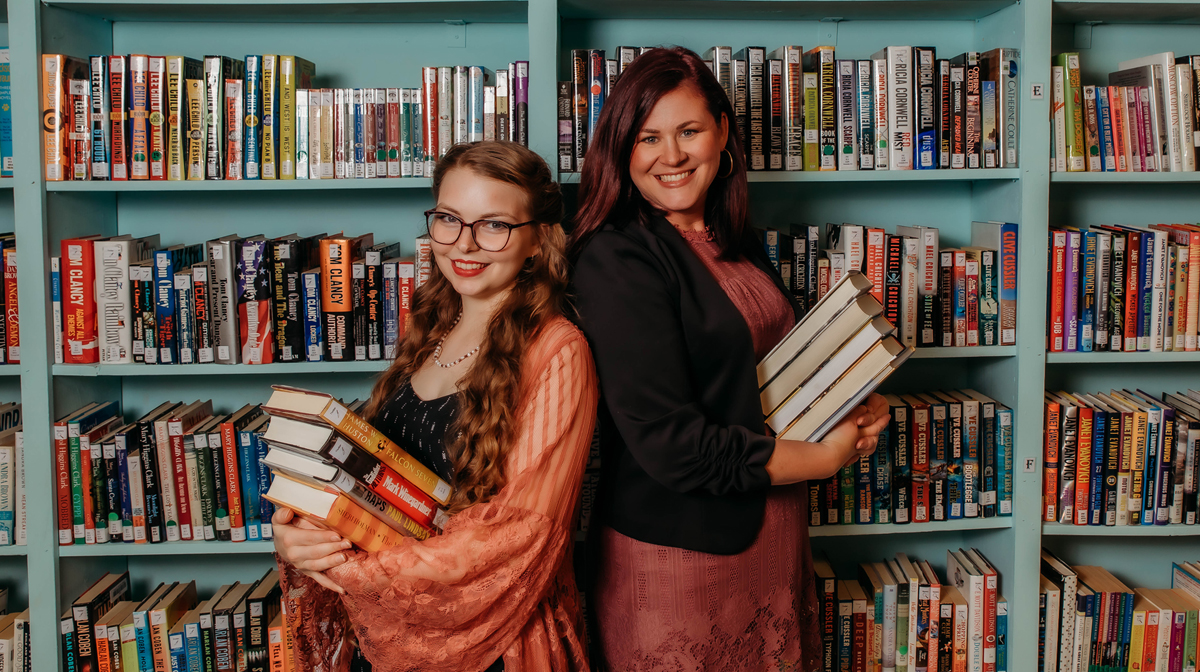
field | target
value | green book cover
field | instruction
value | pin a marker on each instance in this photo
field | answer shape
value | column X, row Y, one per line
column 846, row 499
column 1073, row 103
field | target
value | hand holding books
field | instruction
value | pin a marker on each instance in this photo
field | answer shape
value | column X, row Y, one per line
column 308, row 547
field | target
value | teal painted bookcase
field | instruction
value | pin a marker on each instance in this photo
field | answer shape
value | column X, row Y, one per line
column 384, row 43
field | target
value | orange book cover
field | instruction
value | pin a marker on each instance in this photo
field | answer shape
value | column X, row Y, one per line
column 57, row 71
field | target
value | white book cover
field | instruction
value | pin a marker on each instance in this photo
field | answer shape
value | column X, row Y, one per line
column 900, row 79
column 1169, row 101
column 302, row 142
column 489, row 113
column 847, row 114
column 1158, row 300
column 1185, row 95
column 7, row 499
column 195, row 524
column 837, row 266
column 315, row 169
column 850, row 242
column 908, row 292
column 889, row 625
column 21, row 518
column 864, row 96
column 114, row 315
column 166, row 475
column 474, row 94
column 962, row 574
column 462, row 112
column 445, row 110
column 1059, row 97
column 879, row 92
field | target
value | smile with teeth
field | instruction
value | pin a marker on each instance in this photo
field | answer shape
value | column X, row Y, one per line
column 674, row 177
column 469, row 265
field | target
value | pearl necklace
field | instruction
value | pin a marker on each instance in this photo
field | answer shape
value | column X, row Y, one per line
column 437, row 352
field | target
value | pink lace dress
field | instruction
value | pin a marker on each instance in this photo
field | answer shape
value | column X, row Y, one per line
column 666, row 608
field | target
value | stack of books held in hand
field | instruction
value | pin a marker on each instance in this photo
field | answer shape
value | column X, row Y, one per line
column 334, row 469
column 830, row 361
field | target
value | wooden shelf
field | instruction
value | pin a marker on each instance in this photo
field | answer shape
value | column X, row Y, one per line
column 238, row 185
column 298, row 368
column 864, row 176
column 1058, row 530
column 301, row 11
column 960, row 525
column 1120, row 357
column 168, row 548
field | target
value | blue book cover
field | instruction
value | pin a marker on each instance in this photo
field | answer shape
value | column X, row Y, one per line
column 183, row 303
column 1146, row 293
column 177, row 652
column 987, row 459
column 194, row 646
column 391, row 308
column 597, row 80
column 265, row 508
column 145, row 651
column 1087, row 291
column 1127, row 627
column 6, row 124
column 881, row 461
column 1096, row 490
column 1005, row 447
column 360, row 116
column 248, row 463
column 939, row 453
column 314, row 344
column 1108, row 161
column 122, row 448
column 56, row 306
column 252, row 126
column 165, row 309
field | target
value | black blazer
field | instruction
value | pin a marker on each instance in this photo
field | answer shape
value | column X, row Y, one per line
column 684, row 453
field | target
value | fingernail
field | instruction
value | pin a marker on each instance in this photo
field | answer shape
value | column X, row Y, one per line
column 342, row 556
column 335, row 538
column 346, row 544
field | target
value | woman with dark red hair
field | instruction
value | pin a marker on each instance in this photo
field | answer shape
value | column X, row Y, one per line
column 705, row 559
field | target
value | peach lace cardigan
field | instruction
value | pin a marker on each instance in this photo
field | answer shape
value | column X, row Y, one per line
column 498, row 581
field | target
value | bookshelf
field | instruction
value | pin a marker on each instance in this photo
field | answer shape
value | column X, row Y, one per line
column 384, row 42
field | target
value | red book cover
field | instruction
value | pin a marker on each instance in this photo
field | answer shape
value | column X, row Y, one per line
column 406, row 272
column 393, row 132
column 429, row 112
column 368, row 112
column 822, row 278
column 1058, row 267
column 139, row 131
column 1133, row 247
column 79, row 122
column 12, row 326
column 971, row 268
column 233, row 486
column 157, row 118
column 875, row 262
column 960, row 295
column 120, row 107
column 1050, row 464
column 62, row 465
column 919, row 510
column 78, row 267
column 946, row 296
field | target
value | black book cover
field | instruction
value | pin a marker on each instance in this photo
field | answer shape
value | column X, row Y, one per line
column 261, row 608
column 138, row 317
column 220, row 493
column 939, row 458
column 815, row 517
column 756, row 87
column 892, row 271
column 774, row 98
column 945, row 120
column 115, row 589
column 832, row 499
column 149, row 321
column 566, row 137
column 973, row 121
column 945, row 331
column 800, row 269
column 358, row 291
column 151, row 488
column 579, row 108
column 373, row 295
column 202, row 329
column 812, row 255
column 899, row 443
column 958, row 105
column 290, row 256
column 955, row 492
column 101, row 470
column 987, row 457
column 741, row 103
column 1112, row 465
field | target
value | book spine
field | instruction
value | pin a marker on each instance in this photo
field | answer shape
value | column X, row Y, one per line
column 945, row 126
column 926, row 150
column 972, row 447
column 233, row 485
column 901, row 450
column 80, row 334
column 197, row 129
column 56, row 300
column 252, row 127
column 1073, row 101
column 157, row 111
column 313, row 149
column 793, row 105
column 1057, row 301
column 826, row 77
column 175, row 123
column 202, row 314
column 214, row 113
column 520, row 103
column 113, row 310
column 11, row 306
column 1005, row 457
column 234, row 134
column 221, row 520
column 773, row 132
column 958, row 104
column 987, row 459
column 989, row 299
column 358, row 284
column 165, row 308
column 946, row 298
column 961, row 299
column 908, row 293
column 269, row 93
column 373, row 298
column 54, row 108
column 1071, row 292
column 1092, row 135
column 756, row 87
column 973, row 121
column 900, row 107
column 185, row 317
column 920, row 438
column 1105, row 130
column 101, row 122
column 812, row 106
column 248, row 471
column 866, row 115
column 255, row 323
column 847, row 114
column 139, row 132
column 336, row 300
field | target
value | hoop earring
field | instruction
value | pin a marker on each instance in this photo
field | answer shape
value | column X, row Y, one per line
column 730, row 171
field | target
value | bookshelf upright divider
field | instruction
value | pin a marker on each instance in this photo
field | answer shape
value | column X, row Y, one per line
column 384, row 42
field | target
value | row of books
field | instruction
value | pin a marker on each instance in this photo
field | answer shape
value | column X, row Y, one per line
column 901, row 109
column 241, row 626
column 901, row 614
column 14, row 523
column 140, row 117
column 943, row 456
column 1088, row 619
column 933, row 295
column 6, row 124
column 183, row 472
column 1122, row 458
column 253, row 300
column 15, row 652
column 1123, row 288
column 1144, row 120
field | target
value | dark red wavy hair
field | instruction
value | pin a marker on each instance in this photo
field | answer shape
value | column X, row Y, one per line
column 607, row 192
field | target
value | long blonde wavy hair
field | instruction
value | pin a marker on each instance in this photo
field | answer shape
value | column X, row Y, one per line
column 479, row 439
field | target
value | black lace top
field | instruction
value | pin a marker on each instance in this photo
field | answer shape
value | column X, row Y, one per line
column 420, row 427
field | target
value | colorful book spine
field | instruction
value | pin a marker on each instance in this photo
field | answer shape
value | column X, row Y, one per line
column 139, row 127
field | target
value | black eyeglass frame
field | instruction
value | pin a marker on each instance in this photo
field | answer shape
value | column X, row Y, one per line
column 464, row 225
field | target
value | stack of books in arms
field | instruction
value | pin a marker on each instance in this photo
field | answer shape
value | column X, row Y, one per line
column 935, row 296
column 1088, row 619
column 232, row 300
column 1122, row 458
column 182, row 472
column 901, row 109
column 140, row 117
column 943, row 456
column 901, row 615
column 1123, row 288
column 334, row 469
column 241, row 626
column 828, row 363
column 1144, row 120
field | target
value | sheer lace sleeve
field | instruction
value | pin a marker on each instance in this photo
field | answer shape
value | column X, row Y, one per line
column 493, row 582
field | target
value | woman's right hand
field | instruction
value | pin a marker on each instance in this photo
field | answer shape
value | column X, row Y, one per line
column 308, row 548
column 846, row 441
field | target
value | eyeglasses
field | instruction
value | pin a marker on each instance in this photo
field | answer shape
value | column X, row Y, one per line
column 489, row 234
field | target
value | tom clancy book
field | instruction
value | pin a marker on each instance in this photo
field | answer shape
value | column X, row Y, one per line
column 186, row 312
column 820, row 61
column 290, row 256
column 167, row 263
column 926, row 147
column 755, row 139
column 337, row 308
column 179, row 70
column 156, row 108
column 202, row 312
column 314, row 343
column 255, row 323
column 101, row 120
column 223, row 254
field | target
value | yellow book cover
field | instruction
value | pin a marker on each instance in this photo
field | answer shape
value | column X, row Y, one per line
column 129, row 653
column 270, row 117
column 294, row 73
column 195, row 129
column 163, row 617
column 812, row 134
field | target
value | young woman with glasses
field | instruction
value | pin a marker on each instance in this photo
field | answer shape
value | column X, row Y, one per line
column 494, row 390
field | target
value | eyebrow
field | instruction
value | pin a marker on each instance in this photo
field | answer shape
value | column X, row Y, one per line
column 679, row 127
column 490, row 215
